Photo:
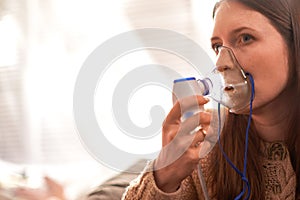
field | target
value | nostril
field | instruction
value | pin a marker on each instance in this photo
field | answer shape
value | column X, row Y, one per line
column 223, row 68
column 229, row 88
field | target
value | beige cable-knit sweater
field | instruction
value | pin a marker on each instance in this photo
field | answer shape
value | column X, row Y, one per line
column 280, row 180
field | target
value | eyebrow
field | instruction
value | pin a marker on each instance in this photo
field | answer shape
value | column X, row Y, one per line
column 235, row 31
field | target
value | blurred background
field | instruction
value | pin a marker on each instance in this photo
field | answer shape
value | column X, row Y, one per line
column 43, row 44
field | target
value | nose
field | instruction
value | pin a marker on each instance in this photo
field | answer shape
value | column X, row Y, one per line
column 225, row 59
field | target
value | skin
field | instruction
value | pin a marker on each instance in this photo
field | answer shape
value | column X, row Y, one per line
column 53, row 189
column 261, row 51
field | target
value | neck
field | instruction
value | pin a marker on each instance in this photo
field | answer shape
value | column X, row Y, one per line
column 271, row 128
column 271, row 121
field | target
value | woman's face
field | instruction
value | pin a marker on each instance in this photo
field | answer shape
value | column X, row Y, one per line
column 258, row 47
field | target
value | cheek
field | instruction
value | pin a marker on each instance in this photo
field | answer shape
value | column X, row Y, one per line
column 270, row 73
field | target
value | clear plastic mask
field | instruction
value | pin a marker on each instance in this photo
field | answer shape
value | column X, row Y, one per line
column 226, row 84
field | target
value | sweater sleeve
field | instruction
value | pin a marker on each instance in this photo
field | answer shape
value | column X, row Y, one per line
column 144, row 188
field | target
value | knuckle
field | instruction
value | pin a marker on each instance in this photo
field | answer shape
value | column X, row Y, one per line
column 190, row 154
column 205, row 117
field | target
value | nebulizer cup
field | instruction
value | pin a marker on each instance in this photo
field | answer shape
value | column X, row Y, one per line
column 227, row 84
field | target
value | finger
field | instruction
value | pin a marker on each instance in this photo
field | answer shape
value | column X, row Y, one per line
column 189, row 125
column 198, row 138
column 200, row 130
column 183, row 105
column 172, row 121
column 173, row 129
column 186, row 141
column 196, row 146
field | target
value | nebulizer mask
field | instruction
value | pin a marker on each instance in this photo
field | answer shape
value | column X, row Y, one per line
column 230, row 86
column 227, row 83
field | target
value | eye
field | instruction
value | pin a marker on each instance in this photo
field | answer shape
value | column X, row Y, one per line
column 246, row 38
column 216, row 47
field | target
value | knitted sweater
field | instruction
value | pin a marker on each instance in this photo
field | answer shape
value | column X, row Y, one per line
column 279, row 176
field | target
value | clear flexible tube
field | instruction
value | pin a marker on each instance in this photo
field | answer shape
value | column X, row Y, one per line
column 202, row 182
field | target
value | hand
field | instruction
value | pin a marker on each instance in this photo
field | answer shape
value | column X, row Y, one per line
column 180, row 153
column 31, row 194
column 53, row 190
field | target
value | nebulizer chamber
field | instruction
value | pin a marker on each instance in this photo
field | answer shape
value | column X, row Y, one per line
column 227, row 83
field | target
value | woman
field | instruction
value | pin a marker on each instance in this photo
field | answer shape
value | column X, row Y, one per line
column 265, row 38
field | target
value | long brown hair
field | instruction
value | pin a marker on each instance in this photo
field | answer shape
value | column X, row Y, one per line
column 225, row 183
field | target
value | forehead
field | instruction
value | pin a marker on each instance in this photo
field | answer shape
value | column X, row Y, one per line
column 232, row 14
